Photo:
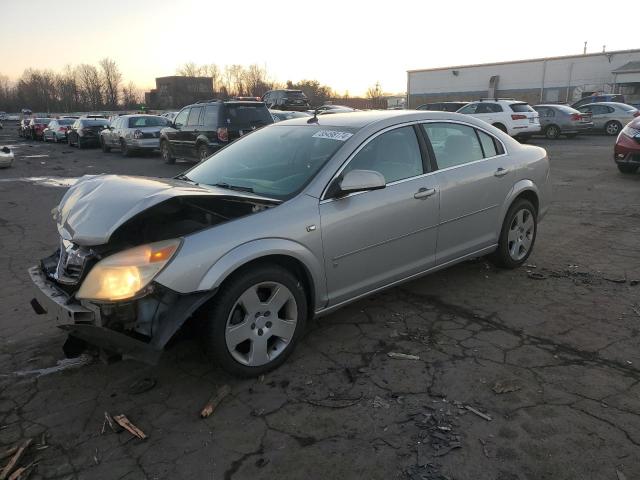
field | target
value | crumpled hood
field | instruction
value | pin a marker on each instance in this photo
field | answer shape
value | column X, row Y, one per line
column 97, row 205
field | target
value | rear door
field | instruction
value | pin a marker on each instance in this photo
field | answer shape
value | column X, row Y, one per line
column 176, row 135
column 191, row 131
column 475, row 177
column 377, row 237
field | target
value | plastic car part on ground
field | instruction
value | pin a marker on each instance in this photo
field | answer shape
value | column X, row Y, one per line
column 6, row 157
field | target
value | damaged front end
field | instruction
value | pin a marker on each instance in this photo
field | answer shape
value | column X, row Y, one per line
column 99, row 284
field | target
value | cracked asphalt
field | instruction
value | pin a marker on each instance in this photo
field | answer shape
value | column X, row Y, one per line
column 548, row 355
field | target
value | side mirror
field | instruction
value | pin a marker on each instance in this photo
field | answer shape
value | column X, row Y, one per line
column 360, row 181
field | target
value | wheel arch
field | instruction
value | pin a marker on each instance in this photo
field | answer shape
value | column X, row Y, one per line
column 285, row 253
column 523, row 189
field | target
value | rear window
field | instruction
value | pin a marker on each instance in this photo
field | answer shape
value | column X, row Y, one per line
column 135, row 122
column 94, row 122
column 42, row 120
column 65, row 121
column 565, row 109
column 521, row 107
column 247, row 115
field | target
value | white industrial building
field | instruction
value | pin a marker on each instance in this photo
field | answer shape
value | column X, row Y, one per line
column 553, row 79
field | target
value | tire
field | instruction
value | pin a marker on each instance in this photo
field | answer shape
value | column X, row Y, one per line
column 571, row 135
column 500, row 127
column 203, row 151
column 167, row 154
column 104, row 146
column 627, row 168
column 255, row 324
column 552, row 132
column 519, row 224
column 612, row 128
column 124, row 149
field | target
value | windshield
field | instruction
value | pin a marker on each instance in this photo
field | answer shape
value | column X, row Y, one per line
column 276, row 161
column 67, row 121
column 147, row 122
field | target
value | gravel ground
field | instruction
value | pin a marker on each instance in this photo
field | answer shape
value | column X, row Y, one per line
column 525, row 374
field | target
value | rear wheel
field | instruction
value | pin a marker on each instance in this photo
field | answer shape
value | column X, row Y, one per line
column 627, row 168
column 517, row 236
column 167, row 154
column 203, row 151
column 256, row 320
column 613, row 127
column 552, row 132
column 500, row 127
column 124, row 148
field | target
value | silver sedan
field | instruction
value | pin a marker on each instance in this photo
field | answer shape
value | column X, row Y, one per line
column 610, row 117
column 133, row 133
column 293, row 220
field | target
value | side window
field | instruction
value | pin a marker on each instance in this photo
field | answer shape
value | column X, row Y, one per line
column 494, row 107
column 453, row 144
column 471, row 108
column 609, row 109
column 483, row 108
column 395, row 154
column 488, row 144
column 211, row 116
column 194, row 116
column 181, row 118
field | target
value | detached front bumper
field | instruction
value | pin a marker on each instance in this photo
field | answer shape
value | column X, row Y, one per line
column 161, row 313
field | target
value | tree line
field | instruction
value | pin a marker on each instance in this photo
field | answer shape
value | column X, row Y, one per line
column 77, row 88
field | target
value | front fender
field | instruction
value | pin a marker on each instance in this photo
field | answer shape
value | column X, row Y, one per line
column 245, row 253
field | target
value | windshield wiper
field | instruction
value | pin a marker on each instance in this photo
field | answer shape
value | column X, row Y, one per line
column 233, row 187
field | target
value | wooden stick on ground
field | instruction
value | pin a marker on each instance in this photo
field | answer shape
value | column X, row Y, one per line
column 124, row 422
column 23, row 473
column 15, row 459
column 213, row 403
column 8, row 453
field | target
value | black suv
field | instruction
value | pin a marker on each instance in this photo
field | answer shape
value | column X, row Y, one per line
column 204, row 127
column 294, row 100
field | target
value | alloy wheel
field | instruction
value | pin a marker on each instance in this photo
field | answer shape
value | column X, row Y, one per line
column 521, row 234
column 613, row 128
column 261, row 324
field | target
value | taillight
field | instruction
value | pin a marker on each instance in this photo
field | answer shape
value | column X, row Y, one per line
column 576, row 116
column 62, row 129
column 137, row 134
column 518, row 117
column 223, row 134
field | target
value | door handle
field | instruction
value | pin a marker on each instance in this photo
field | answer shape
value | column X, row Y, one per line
column 424, row 193
column 501, row 172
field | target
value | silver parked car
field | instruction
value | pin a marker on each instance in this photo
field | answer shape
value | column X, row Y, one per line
column 133, row 133
column 557, row 120
column 293, row 220
column 57, row 130
column 610, row 117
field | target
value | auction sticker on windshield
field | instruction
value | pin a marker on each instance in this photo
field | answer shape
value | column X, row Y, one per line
column 333, row 135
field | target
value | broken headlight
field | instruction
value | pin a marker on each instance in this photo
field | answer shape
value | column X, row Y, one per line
column 124, row 274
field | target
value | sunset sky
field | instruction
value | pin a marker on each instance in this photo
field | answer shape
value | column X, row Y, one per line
column 347, row 45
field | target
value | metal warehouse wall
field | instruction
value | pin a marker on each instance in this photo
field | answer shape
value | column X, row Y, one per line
column 550, row 79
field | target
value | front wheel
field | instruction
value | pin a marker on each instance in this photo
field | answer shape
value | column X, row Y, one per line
column 256, row 320
column 627, row 168
column 167, row 155
column 612, row 128
column 517, row 236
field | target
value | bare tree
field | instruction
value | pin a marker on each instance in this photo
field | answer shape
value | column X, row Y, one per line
column 111, row 80
column 255, row 80
column 90, row 86
column 375, row 92
column 68, row 91
column 189, row 69
column 212, row 70
column 130, row 96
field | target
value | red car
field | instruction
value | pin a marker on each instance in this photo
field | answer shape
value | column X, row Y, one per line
column 36, row 127
column 626, row 153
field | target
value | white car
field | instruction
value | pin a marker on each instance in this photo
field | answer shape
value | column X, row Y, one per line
column 518, row 119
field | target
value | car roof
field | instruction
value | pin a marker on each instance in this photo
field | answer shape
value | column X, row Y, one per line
column 361, row 119
column 611, row 104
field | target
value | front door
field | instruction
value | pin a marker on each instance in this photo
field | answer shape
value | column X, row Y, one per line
column 475, row 178
column 374, row 238
column 191, row 131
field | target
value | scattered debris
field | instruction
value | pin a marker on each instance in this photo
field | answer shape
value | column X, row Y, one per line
column 444, row 450
column 9, row 452
column 22, row 473
column 620, row 475
column 402, row 356
column 530, row 265
column 64, row 364
column 213, row 403
column 124, row 422
column 261, row 378
column 478, row 413
column 96, row 457
column 379, row 402
column 536, row 276
column 107, row 421
column 6, row 471
column 43, row 442
column 484, row 448
column 142, row 385
column 615, row 280
column 505, row 386
column 335, row 402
